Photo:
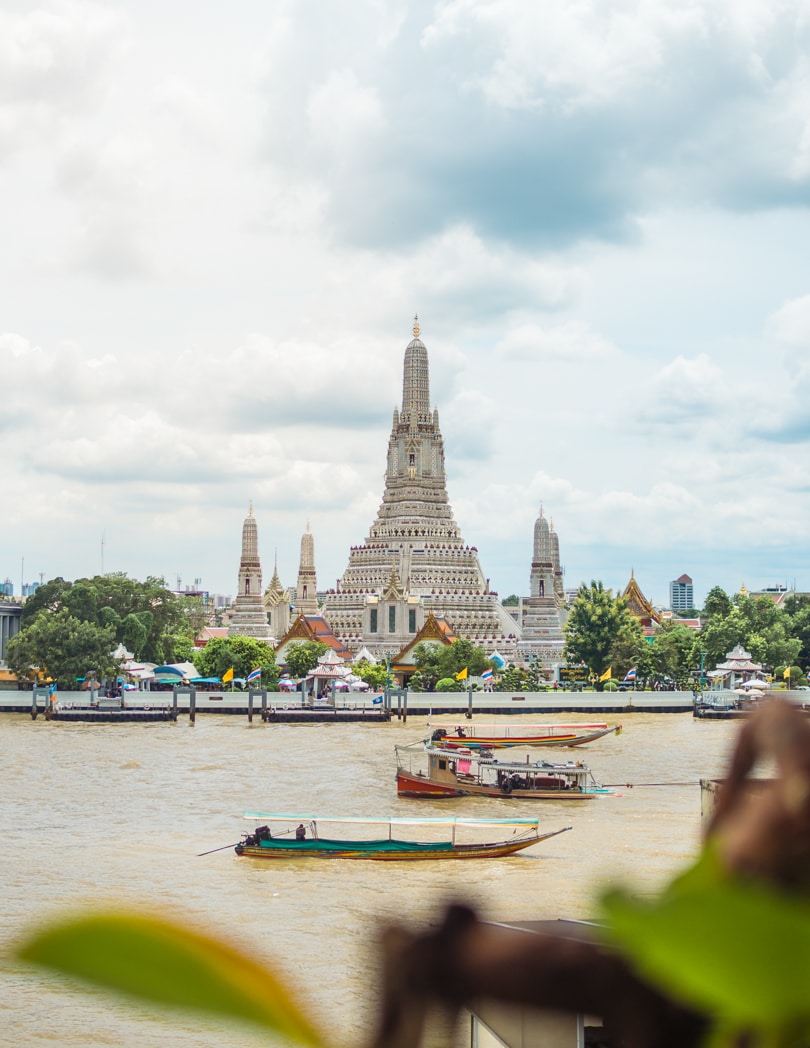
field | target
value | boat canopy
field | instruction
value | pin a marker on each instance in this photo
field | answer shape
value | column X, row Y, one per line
column 393, row 821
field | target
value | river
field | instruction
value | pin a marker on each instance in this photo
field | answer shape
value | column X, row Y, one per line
column 108, row 814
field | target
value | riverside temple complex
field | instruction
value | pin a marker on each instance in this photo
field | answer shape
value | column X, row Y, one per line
column 413, row 577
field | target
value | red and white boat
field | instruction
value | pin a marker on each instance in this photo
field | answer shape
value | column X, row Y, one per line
column 430, row 771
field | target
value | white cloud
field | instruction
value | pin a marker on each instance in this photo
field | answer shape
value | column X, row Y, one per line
column 689, row 388
column 572, row 340
column 55, row 63
column 790, row 324
column 342, row 113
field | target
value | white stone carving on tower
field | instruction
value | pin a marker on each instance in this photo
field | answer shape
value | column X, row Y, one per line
column 416, row 535
column 306, row 594
column 542, row 613
column 248, row 617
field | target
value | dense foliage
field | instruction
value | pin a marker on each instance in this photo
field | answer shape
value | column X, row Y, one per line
column 435, row 662
column 299, row 659
column 597, row 622
column 146, row 617
column 373, row 673
column 61, row 647
column 603, row 636
column 241, row 654
column 74, row 627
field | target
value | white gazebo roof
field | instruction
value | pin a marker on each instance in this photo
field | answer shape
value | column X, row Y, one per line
column 329, row 673
column 739, row 660
column 330, row 658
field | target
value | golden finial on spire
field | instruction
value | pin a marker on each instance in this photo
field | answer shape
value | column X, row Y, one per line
column 250, row 511
column 416, row 325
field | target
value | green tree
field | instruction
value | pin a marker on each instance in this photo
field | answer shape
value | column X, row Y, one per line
column 426, row 659
column 299, row 659
column 756, row 623
column 798, row 611
column 720, row 634
column 718, row 603
column 108, row 601
column 462, row 654
column 595, row 622
column 512, row 678
column 675, row 653
column 184, row 650
column 627, row 649
column 136, row 630
column 242, row 654
column 196, row 614
column 62, row 647
column 373, row 673
column 511, row 601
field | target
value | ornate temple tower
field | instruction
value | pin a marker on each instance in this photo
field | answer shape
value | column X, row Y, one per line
column 276, row 606
column 542, row 614
column 416, row 542
column 306, row 596
column 248, row 618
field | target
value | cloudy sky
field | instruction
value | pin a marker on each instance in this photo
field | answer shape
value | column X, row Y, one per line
column 217, row 222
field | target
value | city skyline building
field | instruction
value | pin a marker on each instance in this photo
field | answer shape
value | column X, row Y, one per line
column 681, row 594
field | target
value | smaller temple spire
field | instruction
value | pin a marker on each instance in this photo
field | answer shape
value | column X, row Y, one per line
column 416, row 325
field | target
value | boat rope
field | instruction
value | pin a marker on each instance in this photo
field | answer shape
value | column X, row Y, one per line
column 632, row 785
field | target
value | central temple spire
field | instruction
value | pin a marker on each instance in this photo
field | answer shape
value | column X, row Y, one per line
column 416, row 380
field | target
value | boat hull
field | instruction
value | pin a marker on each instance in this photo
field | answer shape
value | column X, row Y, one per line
column 499, row 742
column 419, row 852
column 413, row 785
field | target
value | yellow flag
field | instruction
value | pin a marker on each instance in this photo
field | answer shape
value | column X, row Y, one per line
column 607, row 674
column 462, row 674
column 786, row 674
column 227, row 675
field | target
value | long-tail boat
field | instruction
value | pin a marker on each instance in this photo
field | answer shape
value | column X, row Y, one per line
column 501, row 736
column 300, row 837
column 425, row 770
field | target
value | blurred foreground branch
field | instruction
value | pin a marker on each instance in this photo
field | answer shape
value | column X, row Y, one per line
column 755, row 837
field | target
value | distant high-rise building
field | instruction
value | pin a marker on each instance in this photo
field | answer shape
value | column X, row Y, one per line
column 681, row 594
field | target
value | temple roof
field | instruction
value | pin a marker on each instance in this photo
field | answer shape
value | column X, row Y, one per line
column 313, row 627
column 435, row 630
column 638, row 604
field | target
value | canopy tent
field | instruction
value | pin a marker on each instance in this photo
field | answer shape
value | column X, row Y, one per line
column 181, row 670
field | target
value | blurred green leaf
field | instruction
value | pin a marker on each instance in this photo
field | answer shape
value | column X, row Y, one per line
column 735, row 950
column 164, row 963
